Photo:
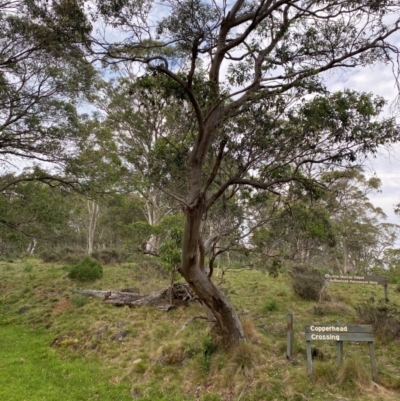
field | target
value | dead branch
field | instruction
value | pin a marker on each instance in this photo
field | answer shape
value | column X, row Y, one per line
column 159, row 299
column 190, row 321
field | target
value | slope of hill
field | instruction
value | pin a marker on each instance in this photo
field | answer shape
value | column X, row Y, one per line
column 55, row 343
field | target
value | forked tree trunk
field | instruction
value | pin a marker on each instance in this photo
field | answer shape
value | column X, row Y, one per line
column 193, row 268
column 94, row 212
column 31, row 247
column 229, row 325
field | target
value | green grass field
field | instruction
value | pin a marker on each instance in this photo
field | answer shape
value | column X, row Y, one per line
column 57, row 345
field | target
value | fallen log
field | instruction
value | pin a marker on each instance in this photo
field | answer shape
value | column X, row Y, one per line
column 159, row 299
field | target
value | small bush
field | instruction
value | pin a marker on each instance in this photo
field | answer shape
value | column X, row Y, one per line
column 140, row 367
column 28, row 268
column 86, row 270
column 66, row 255
column 79, row 300
column 307, row 282
column 331, row 308
column 274, row 268
column 270, row 306
column 110, row 256
column 382, row 316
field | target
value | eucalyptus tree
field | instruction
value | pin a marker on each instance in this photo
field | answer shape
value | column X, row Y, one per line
column 333, row 225
column 43, row 74
column 32, row 214
column 260, row 59
column 362, row 236
column 149, row 120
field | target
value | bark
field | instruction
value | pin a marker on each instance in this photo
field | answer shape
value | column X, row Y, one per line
column 31, row 247
column 213, row 299
column 346, row 264
column 94, row 212
column 193, row 250
column 162, row 300
column 152, row 244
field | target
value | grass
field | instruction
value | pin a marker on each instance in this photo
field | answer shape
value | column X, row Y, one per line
column 31, row 370
column 107, row 353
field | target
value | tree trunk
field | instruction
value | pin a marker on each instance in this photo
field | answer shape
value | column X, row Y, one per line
column 212, row 298
column 152, row 244
column 346, row 268
column 192, row 268
column 94, row 212
column 31, row 247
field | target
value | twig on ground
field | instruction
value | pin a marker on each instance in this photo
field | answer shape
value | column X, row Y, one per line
column 190, row 321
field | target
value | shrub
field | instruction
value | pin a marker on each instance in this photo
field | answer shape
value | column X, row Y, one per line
column 274, row 268
column 270, row 306
column 86, row 270
column 79, row 301
column 250, row 331
column 28, row 268
column 331, row 308
column 307, row 282
column 243, row 358
column 66, row 255
column 383, row 316
column 110, row 256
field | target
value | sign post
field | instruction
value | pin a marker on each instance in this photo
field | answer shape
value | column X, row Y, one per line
column 289, row 330
column 374, row 280
column 341, row 333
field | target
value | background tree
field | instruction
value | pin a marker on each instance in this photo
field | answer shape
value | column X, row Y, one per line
column 334, row 226
column 42, row 75
column 32, row 214
column 148, row 120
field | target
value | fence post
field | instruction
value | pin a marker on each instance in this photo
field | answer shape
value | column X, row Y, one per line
column 385, row 288
column 289, row 330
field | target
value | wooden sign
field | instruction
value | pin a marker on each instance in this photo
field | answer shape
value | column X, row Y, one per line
column 374, row 280
column 356, row 279
column 340, row 333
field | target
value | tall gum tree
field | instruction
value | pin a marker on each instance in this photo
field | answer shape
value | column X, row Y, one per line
column 43, row 75
column 140, row 112
column 259, row 58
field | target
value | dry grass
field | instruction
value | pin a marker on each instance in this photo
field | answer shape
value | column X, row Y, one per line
column 250, row 331
column 172, row 353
